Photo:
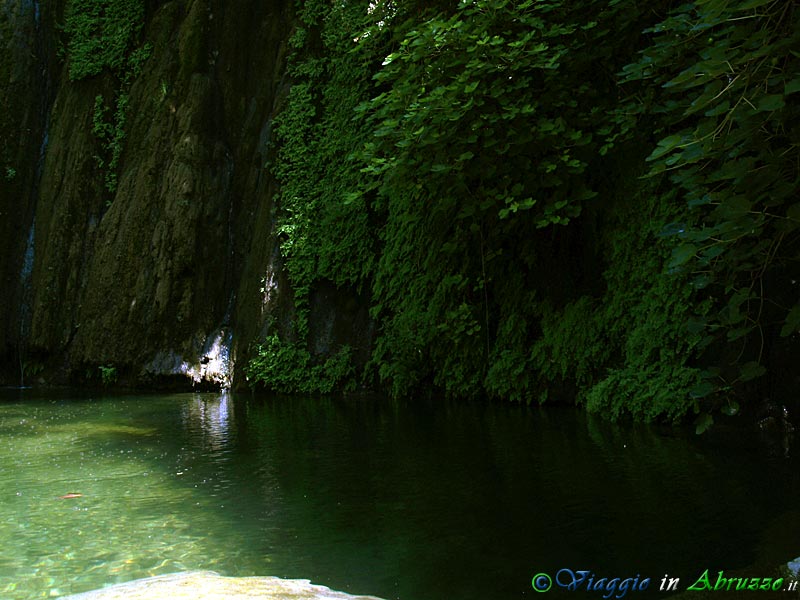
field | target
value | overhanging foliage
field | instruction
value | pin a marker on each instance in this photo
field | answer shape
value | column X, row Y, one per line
column 548, row 198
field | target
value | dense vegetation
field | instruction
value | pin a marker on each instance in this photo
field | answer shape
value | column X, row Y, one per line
column 101, row 36
column 540, row 199
column 548, row 199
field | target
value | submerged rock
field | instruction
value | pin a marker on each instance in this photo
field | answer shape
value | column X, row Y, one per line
column 207, row 585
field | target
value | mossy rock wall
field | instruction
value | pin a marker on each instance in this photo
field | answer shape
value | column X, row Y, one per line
column 182, row 252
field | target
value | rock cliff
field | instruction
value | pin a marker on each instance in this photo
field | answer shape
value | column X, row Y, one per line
column 175, row 273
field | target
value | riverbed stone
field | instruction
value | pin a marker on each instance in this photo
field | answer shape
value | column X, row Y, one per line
column 207, row 585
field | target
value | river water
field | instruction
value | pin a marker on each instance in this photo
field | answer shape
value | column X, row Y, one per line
column 408, row 500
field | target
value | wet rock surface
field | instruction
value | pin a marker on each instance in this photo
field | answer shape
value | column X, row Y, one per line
column 207, row 585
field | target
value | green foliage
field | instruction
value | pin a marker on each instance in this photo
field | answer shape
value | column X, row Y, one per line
column 31, row 368
column 545, row 198
column 288, row 368
column 324, row 232
column 108, row 374
column 630, row 350
column 645, row 321
column 722, row 78
column 102, row 36
column 483, row 131
column 478, row 117
column 111, row 134
column 11, row 173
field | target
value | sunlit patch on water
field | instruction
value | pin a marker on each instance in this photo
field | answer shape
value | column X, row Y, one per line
column 91, row 496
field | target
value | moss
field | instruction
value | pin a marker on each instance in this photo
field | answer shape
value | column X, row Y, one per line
column 102, row 36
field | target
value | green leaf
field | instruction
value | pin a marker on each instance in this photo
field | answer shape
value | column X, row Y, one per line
column 351, row 197
column 702, row 423
column 730, row 409
column 719, row 109
column 731, row 313
column 792, row 86
column 792, row 323
column 733, row 207
column 665, row 145
column 688, row 78
column 702, row 389
column 702, row 281
column 751, row 370
column 750, row 4
column 770, row 102
column 739, row 332
column 714, row 251
column 681, row 255
column 671, row 229
column 696, row 325
column 700, row 201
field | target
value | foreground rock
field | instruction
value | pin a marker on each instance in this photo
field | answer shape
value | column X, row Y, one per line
column 207, row 585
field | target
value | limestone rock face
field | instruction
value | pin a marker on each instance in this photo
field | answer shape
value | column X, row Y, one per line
column 206, row 585
column 27, row 60
column 174, row 275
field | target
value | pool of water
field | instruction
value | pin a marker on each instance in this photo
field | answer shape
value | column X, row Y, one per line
column 412, row 501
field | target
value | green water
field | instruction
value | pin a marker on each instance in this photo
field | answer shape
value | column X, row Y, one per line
column 416, row 501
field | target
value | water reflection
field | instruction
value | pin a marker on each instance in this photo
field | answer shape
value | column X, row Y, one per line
column 210, row 416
